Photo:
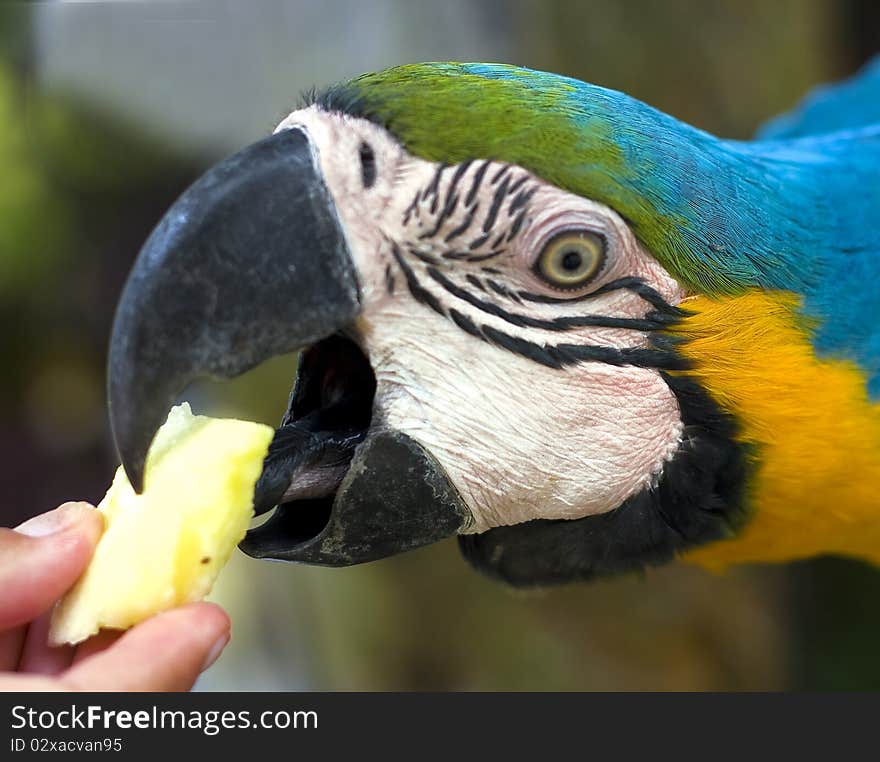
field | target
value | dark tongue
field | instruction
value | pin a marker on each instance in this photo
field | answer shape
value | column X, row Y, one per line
column 327, row 417
column 307, row 459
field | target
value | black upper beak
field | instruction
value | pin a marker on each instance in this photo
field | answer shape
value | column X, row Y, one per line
column 250, row 262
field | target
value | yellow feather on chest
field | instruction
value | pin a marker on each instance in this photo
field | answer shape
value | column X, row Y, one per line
column 813, row 432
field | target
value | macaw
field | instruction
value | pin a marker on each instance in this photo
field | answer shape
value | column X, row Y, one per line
column 537, row 314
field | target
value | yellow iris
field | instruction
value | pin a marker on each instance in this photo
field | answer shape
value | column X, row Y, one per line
column 571, row 259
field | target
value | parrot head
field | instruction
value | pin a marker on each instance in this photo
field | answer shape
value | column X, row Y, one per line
column 484, row 269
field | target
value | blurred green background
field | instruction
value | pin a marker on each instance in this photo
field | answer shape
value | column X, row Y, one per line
column 109, row 109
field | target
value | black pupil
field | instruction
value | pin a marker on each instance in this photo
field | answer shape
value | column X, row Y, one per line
column 571, row 261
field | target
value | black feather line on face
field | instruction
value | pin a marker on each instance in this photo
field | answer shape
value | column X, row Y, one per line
column 522, row 198
column 516, row 226
column 485, row 257
column 477, row 242
column 495, row 207
column 456, row 178
column 432, row 191
column 505, row 168
column 517, row 183
column 629, row 283
column 700, row 497
column 389, row 280
column 464, row 226
column 526, row 321
column 424, row 256
column 477, row 182
column 419, row 293
column 549, row 355
column 502, row 290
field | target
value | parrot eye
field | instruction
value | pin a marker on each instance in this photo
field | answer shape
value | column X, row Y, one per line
column 571, row 258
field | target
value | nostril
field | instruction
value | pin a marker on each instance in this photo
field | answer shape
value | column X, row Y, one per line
column 368, row 165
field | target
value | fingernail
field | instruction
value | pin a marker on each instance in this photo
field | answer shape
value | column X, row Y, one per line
column 216, row 650
column 61, row 519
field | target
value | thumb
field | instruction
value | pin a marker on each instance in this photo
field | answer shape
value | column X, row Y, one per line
column 42, row 558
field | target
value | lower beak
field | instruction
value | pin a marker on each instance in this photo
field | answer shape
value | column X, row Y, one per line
column 251, row 262
column 393, row 498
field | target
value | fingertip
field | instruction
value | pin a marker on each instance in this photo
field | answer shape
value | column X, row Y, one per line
column 80, row 517
column 85, row 517
column 208, row 622
column 217, row 619
column 80, row 528
column 75, row 506
column 211, row 614
column 206, row 617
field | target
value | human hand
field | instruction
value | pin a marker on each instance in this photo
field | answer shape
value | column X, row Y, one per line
column 39, row 561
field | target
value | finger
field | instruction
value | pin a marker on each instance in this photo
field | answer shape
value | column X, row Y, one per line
column 42, row 558
column 165, row 653
column 38, row 656
column 30, row 643
column 11, row 643
column 28, row 683
column 95, row 644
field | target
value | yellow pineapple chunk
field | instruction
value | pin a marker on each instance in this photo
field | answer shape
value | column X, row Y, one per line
column 166, row 546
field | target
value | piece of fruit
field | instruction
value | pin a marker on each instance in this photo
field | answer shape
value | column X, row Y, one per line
column 166, row 546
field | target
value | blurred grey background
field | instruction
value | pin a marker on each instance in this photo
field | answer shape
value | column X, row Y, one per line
column 109, row 109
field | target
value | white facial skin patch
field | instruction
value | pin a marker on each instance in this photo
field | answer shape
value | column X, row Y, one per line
column 472, row 346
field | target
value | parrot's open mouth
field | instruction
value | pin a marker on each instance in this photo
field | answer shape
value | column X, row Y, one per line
column 328, row 416
column 345, row 489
